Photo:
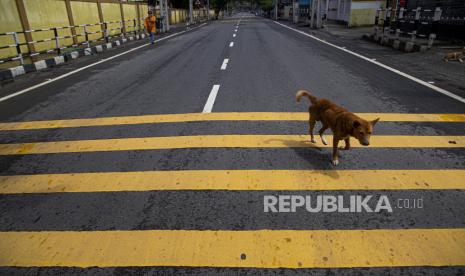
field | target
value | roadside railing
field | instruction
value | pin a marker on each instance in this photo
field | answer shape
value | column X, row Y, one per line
column 416, row 23
column 106, row 30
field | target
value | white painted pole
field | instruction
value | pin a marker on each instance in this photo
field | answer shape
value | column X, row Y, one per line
column 318, row 12
column 162, row 14
column 296, row 12
column 312, row 19
column 327, row 9
column 191, row 17
column 276, row 10
column 167, row 17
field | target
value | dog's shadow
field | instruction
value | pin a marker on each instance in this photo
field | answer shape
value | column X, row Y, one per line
column 317, row 157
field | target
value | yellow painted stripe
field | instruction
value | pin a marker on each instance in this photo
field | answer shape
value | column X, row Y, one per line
column 234, row 180
column 230, row 116
column 222, row 141
column 263, row 248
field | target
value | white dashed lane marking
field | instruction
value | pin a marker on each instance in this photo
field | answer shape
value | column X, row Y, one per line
column 225, row 64
column 211, row 99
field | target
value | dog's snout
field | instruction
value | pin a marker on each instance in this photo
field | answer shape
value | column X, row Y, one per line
column 365, row 142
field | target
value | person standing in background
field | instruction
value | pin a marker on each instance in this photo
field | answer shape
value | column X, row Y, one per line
column 150, row 26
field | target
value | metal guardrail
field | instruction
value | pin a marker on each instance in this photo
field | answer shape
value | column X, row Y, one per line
column 105, row 31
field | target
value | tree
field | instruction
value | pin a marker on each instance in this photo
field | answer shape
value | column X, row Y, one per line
column 180, row 4
column 265, row 5
column 218, row 5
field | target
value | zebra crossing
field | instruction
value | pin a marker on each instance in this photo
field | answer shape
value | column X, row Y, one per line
column 225, row 224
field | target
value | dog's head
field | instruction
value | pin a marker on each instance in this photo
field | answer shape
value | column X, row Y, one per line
column 362, row 130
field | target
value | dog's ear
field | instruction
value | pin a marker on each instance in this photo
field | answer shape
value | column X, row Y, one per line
column 373, row 123
column 356, row 124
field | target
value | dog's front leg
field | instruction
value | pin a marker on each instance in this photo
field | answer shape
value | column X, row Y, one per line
column 347, row 141
column 335, row 155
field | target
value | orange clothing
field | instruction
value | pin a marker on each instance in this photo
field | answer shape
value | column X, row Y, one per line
column 150, row 24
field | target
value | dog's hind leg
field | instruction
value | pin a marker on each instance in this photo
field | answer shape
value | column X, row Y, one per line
column 322, row 130
column 312, row 123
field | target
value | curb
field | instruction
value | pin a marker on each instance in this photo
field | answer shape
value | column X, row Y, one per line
column 10, row 74
column 404, row 46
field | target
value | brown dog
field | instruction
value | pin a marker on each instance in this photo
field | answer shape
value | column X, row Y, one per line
column 460, row 56
column 342, row 123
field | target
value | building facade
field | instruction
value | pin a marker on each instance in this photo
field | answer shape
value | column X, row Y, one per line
column 354, row 13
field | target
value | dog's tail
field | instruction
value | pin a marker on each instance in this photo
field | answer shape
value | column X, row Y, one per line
column 304, row 93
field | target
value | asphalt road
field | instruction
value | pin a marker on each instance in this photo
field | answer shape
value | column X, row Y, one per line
column 41, row 219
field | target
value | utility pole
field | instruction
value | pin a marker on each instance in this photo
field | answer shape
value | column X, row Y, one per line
column 293, row 11
column 276, row 10
column 208, row 9
column 191, row 4
column 312, row 18
column 318, row 14
column 162, row 14
column 167, row 16
column 326, row 10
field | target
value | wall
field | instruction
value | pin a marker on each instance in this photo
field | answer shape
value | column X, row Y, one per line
column 86, row 13
column 355, row 12
column 47, row 14
column 9, row 23
column 287, row 10
column 339, row 10
column 130, row 13
column 111, row 12
column 53, row 13
column 177, row 16
column 143, row 9
column 363, row 13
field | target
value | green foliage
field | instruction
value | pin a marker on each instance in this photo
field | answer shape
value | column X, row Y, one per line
column 218, row 4
column 266, row 5
column 180, row 4
column 184, row 4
